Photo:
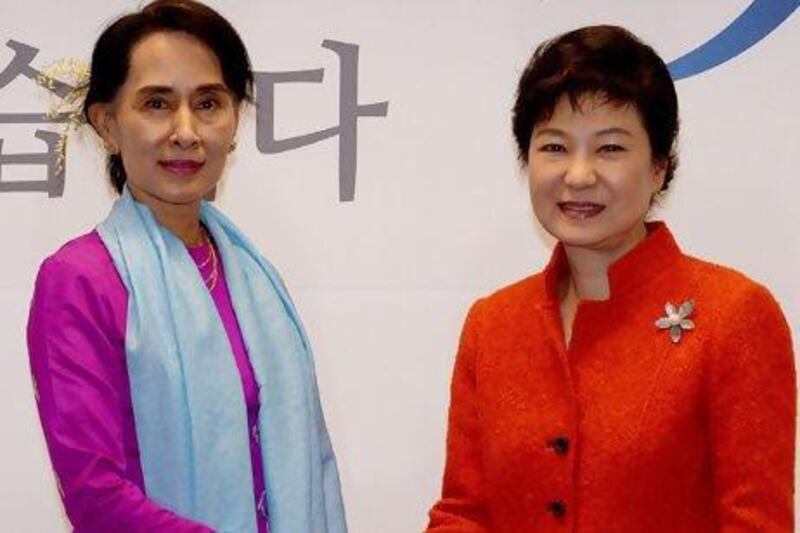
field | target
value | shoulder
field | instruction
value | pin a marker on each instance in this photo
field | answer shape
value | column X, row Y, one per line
column 726, row 287
column 82, row 258
column 80, row 271
column 85, row 254
column 731, row 300
column 507, row 303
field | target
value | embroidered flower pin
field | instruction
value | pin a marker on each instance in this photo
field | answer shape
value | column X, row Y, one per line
column 677, row 319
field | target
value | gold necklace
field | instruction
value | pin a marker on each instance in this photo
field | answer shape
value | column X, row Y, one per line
column 210, row 281
column 206, row 241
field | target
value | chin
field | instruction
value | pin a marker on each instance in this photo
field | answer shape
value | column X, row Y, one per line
column 584, row 235
column 180, row 195
column 596, row 237
column 187, row 191
column 582, row 241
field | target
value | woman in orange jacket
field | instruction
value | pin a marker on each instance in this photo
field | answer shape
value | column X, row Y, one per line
column 628, row 386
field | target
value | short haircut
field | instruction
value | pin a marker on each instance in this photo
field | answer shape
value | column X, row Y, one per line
column 604, row 60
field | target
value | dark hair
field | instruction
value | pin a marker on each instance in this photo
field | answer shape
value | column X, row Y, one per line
column 604, row 60
column 112, row 54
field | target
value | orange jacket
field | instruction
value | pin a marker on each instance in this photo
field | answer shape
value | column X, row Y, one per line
column 625, row 430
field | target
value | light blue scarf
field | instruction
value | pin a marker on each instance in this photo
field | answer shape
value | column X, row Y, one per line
column 189, row 408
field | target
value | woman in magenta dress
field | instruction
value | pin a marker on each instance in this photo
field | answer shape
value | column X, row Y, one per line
column 174, row 381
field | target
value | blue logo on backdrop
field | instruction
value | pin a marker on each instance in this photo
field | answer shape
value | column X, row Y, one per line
column 755, row 23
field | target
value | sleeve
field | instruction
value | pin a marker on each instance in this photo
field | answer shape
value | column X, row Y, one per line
column 462, row 507
column 70, row 350
column 752, row 410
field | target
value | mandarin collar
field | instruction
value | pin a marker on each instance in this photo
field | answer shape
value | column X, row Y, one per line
column 657, row 253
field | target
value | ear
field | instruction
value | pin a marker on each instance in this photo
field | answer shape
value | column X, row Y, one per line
column 659, row 174
column 236, row 114
column 102, row 120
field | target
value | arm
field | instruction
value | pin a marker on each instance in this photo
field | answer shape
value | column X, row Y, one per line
column 462, row 508
column 752, row 418
column 72, row 355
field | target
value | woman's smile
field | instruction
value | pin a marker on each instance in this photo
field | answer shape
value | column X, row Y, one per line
column 181, row 167
column 580, row 210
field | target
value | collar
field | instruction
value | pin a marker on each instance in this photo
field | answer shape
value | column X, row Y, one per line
column 657, row 254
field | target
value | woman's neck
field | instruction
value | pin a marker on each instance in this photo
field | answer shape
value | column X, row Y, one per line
column 587, row 278
column 588, row 267
column 181, row 219
column 185, row 225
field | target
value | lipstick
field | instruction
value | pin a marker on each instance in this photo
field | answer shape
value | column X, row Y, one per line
column 182, row 167
column 580, row 210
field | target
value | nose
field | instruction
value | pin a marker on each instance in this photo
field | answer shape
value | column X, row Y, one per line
column 580, row 172
column 184, row 129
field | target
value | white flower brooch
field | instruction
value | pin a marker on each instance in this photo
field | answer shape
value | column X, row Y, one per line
column 677, row 319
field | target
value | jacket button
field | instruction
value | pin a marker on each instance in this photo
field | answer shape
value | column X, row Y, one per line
column 557, row 508
column 560, row 445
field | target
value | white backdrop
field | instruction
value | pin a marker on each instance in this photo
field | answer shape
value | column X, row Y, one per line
column 441, row 212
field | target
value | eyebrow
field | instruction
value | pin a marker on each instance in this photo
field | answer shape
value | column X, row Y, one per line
column 164, row 89
column 562, row 133
column 614, row 130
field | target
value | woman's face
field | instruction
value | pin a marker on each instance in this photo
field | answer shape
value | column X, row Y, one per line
column 173, row 121
column 592, row 175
